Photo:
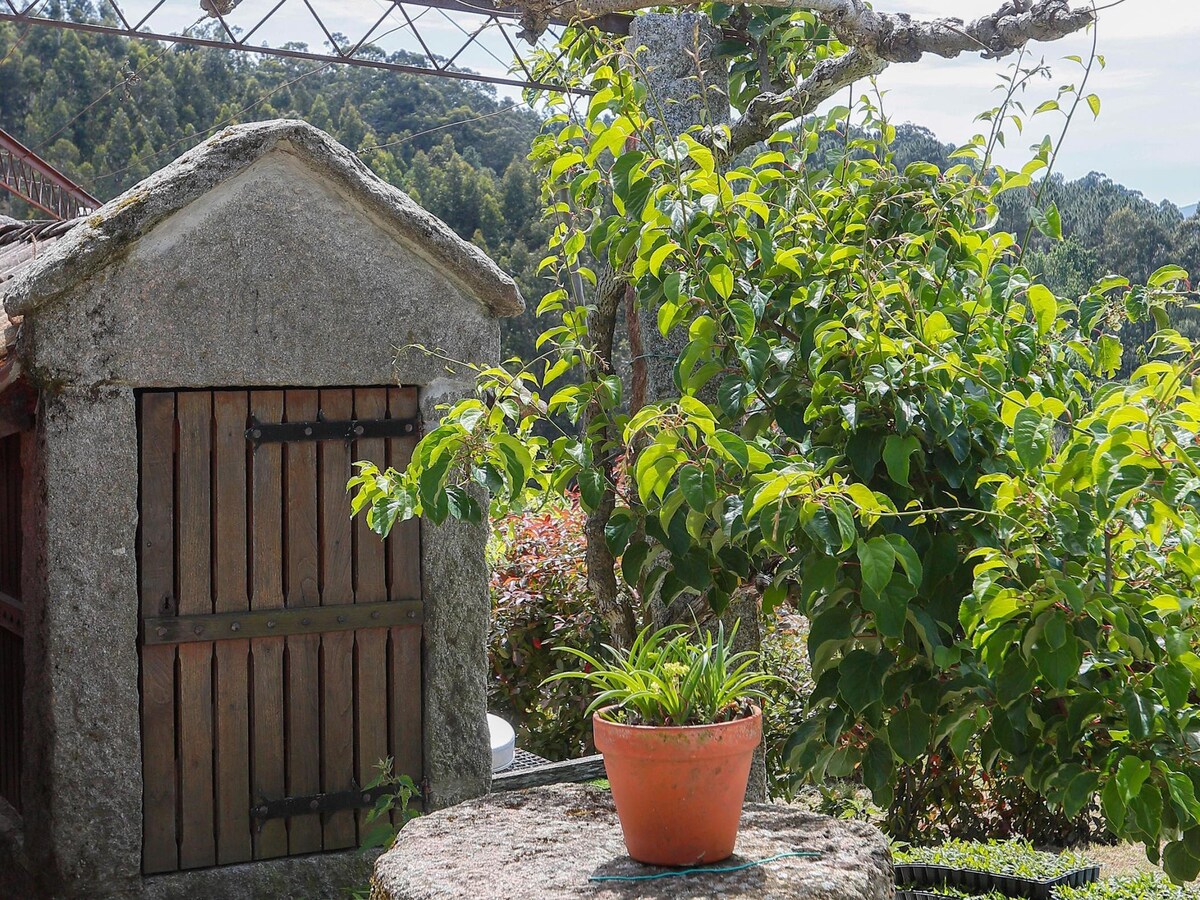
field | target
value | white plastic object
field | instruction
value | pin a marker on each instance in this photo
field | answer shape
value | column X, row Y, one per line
column 504, row 743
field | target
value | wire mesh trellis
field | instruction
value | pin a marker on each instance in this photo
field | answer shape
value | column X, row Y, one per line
column 472, row 40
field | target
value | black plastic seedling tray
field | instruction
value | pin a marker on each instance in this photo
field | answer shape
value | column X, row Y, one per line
column 922, row 875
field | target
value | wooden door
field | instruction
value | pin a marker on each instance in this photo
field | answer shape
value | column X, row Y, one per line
column 281, row 642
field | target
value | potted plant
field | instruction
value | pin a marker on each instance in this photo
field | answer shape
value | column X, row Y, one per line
column 675, row 720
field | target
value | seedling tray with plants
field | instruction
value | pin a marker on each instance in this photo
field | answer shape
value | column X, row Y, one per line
column 1128, row 887
column 1010, row 868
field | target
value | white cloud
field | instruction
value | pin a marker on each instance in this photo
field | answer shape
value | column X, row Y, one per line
column 1147, row 137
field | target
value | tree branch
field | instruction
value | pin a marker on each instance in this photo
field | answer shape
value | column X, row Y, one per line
column 897, row 37
column 762, row 116
column 878, row 39
column 894, row 37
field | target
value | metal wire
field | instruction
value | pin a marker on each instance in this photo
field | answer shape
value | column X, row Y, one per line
column 439, row 61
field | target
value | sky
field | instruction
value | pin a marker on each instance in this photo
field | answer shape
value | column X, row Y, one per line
column 1148, row 134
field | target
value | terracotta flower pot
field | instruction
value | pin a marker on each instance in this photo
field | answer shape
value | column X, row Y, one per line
column 678, row 791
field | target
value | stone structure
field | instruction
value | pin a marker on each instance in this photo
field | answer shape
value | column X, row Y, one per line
column 267, row 257
column 679, row 62
column 548, row 843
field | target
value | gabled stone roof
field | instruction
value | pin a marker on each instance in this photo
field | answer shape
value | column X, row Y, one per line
column 20, row 244
column 97, row 240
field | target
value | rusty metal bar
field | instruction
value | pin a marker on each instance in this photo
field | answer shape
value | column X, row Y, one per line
column 24, row 173
column 229, row 626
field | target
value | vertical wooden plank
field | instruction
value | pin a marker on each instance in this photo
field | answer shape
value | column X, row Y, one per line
column 8, row 543
column 156, row 556
column 370, row 586
column 337, row 648
column 230, row 410
column 266, row 566
column 404, row 583
column 197, row 845
column 10, row 718
column 11, row 652
column 302, row 685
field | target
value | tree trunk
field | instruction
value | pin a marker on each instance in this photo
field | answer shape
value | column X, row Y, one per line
column 614, row 605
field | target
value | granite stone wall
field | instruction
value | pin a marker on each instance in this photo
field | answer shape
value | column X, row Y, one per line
column 274, row 276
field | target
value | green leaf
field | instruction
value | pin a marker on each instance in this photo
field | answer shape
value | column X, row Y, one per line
column 1108, row 355
column 890, row 607
column 743, row 315
column 1060, row 666
column 937, row 328
column 878, row 768
column 733, row 448
column 619, row 529
column 462, row 505
column 877, row 558
column 721, row 278
column 733, row 394
column 1131, row 775
column 1183, row 794
column 1167, row 275
column 1045, row 307
column 1031, row 435
column 1093, row 101
column 1114, row 805
column 863, row 450
column 633, row 560
column 1139, row 710
column 691, row 482
column 660, row 255
column 896, row 453
column 909, row 733
column 654, row 469
column 591, row 488
column 1180, row 863
column 1079, row 793
column 1049, row 222
column 910, row 562
column 860, row 680
column 1176, row 682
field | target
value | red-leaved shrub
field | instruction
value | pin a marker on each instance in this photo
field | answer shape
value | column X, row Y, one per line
column 540, row 601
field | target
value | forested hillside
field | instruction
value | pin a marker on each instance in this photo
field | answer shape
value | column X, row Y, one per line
column 1107, row 228
column 108, row 112
column 453, row 145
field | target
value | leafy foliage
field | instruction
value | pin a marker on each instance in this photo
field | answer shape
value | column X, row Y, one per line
column 1132, row 887
column 540, row 601
column 952, row 893
column 391, row 810
column 784, row 655
column 1016, row 858
column 884, row 418
column 671, row 677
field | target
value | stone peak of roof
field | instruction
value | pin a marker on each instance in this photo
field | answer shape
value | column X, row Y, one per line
column 96, row 240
